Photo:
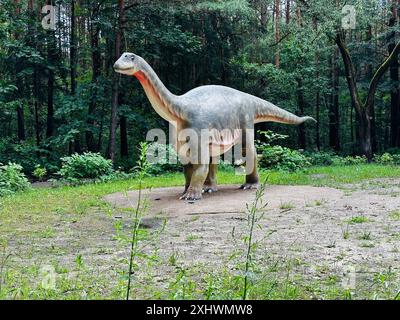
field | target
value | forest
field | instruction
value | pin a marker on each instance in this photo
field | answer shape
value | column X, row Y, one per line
column 59, row 94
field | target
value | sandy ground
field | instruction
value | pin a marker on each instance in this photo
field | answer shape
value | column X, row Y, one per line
column 314, row 226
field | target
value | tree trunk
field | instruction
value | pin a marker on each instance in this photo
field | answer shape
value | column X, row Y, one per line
column 298, row 15
column 20, row 109
column 394, row 76
column 317, row 105
column 301, row 104
column 318, row 93
column 263, row 14
column 115, row 85
column 36, row 105
column 51, row 58
column 124, row 136
column 364, row 132
column 73, row 50
column 96, row 72
column 277, row 31
column 50, row 106
column 334, row 124
column 73, row 56
column 288, row 11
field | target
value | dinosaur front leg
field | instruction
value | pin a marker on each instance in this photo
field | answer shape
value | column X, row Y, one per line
column 211, row 182
column 252, row 178
column 187, row 171
column 199, row 176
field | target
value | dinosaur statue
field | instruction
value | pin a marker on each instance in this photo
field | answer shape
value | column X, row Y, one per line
column 229, row 114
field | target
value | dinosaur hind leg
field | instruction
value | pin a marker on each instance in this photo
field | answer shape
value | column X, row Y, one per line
column 198, row 178
column 252, row 178
column 210, row 185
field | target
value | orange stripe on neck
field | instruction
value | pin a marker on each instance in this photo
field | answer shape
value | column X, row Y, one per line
column 154, row 96
column 141, row 76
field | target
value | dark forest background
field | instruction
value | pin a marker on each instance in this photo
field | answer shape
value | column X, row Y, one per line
column 59, row 94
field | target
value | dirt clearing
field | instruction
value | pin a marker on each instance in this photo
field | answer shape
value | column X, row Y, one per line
column 326, row 231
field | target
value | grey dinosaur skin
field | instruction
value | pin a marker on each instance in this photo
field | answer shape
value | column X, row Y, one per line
column 207, row 107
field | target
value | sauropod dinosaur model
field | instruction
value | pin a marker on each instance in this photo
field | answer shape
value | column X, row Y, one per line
column 227, row 113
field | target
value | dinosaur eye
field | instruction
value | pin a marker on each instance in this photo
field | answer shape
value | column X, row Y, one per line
column 133, row 58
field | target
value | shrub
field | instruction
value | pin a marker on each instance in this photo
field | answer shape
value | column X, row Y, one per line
column 388, row 159
column 282, row 158
column 39, row 173
column 322, row 158
column 396, row 159
column 85, row 166
column 28, row 156
column 269, row 137
column 385, row 158
column 12, row 179
column 353, row 160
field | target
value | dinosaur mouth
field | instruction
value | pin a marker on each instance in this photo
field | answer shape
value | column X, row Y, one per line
column 122, row 69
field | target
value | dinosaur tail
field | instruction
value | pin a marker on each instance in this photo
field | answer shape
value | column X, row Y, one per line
column 266, row 111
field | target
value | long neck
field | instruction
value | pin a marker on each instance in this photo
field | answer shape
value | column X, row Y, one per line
column 162, row 100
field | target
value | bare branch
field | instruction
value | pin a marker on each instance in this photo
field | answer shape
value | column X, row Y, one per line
column 379, row 73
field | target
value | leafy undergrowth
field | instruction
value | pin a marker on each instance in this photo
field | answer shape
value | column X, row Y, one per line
column 39, row 215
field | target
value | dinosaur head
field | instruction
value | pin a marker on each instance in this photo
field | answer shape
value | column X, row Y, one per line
column 127, row 64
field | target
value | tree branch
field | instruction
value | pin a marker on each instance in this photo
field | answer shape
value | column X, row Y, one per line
column 350, row 71
column 379, row 73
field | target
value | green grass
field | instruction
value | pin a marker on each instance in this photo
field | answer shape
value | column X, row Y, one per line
column 365, row 236
column 287, row 206
column 395, row 215
column 358, row 219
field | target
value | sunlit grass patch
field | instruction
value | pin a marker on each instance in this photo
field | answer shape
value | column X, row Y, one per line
column 358, row 219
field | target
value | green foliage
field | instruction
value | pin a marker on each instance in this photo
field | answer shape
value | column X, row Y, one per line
column 282, row 158
column 39, row 173
column 28, row 156
column 278, row 157
column 322, row 158
column 385, row 158
column 85, row 166
column 388, row 159
column 267, row 138
column 352, row 160
column 12, row 179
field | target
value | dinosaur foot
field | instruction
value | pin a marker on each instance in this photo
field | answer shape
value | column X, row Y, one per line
column 248, row 186
column 210, row 188
column 191, row 194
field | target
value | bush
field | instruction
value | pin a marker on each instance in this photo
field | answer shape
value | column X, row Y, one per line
column 12, row 179
column 396, row 159
column 385, row 158
column 85, row 166
column 28, row 156
column 388, row 159
column 282, row 158
column 322, row 158
column 352, row 160
column 39, row 173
